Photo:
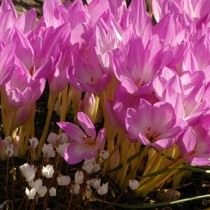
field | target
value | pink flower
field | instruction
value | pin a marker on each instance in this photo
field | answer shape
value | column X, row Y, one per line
column 195, row 142
column 193, row 10
column 187, row 93
column 153, row 125
column 84, row 142
column 123, row 100
column 136, row 65
column 88, row 73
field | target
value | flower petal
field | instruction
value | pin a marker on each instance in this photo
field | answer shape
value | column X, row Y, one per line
column 76, row 152
column 86, row 124
column 73, row 131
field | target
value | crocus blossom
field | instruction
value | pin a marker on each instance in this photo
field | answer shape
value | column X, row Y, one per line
column 194, row 142
column 85, row 143
column 143, row 124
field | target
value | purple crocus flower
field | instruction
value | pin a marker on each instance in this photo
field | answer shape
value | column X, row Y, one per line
column 135, row 65
column 123, row 100
column 21, row 92
column 195, row 142
column 143, row 124
column 84, row 142
column 88, row 73
column 187, row 93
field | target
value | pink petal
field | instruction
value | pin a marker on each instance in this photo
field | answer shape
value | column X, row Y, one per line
column 52, row 13
column 188, row 141
column 128, row 84
column 76, row 152
column 73, row 131
column 27, row 21
column 166, row 113
column 86, row 124
column 164, row 143
column 6, row 62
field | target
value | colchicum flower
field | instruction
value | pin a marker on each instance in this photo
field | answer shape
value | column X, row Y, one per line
column 143, row 124
column 85, row 143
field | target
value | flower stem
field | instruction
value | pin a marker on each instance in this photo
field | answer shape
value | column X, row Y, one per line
column 51, row 104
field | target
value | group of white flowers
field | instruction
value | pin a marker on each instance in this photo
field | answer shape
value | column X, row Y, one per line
column 36, row 187
column 57, row 143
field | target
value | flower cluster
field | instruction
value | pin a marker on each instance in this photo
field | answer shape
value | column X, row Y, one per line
column 135, row 82
column 39, row 187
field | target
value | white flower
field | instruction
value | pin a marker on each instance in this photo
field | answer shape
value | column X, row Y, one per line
column 42, row 191
column 103, row 189
column 90, row 166
column 48, row 171
column 75, row 189
column 52, row 138
column 33, row 142
column 133, row 184
column 28, row 172
column 48, row 150
column 63, row 180
column 96, row 168
column 63, row 138
column 52, row 192
column 79, row 177
column 37, row 184
column 30, row 193
column 61, row 149
column 104, row 154
column 10, row 150
column 95, row 183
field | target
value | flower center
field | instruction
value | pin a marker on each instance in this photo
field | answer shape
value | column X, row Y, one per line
column 152, row 135
column 89, row 140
